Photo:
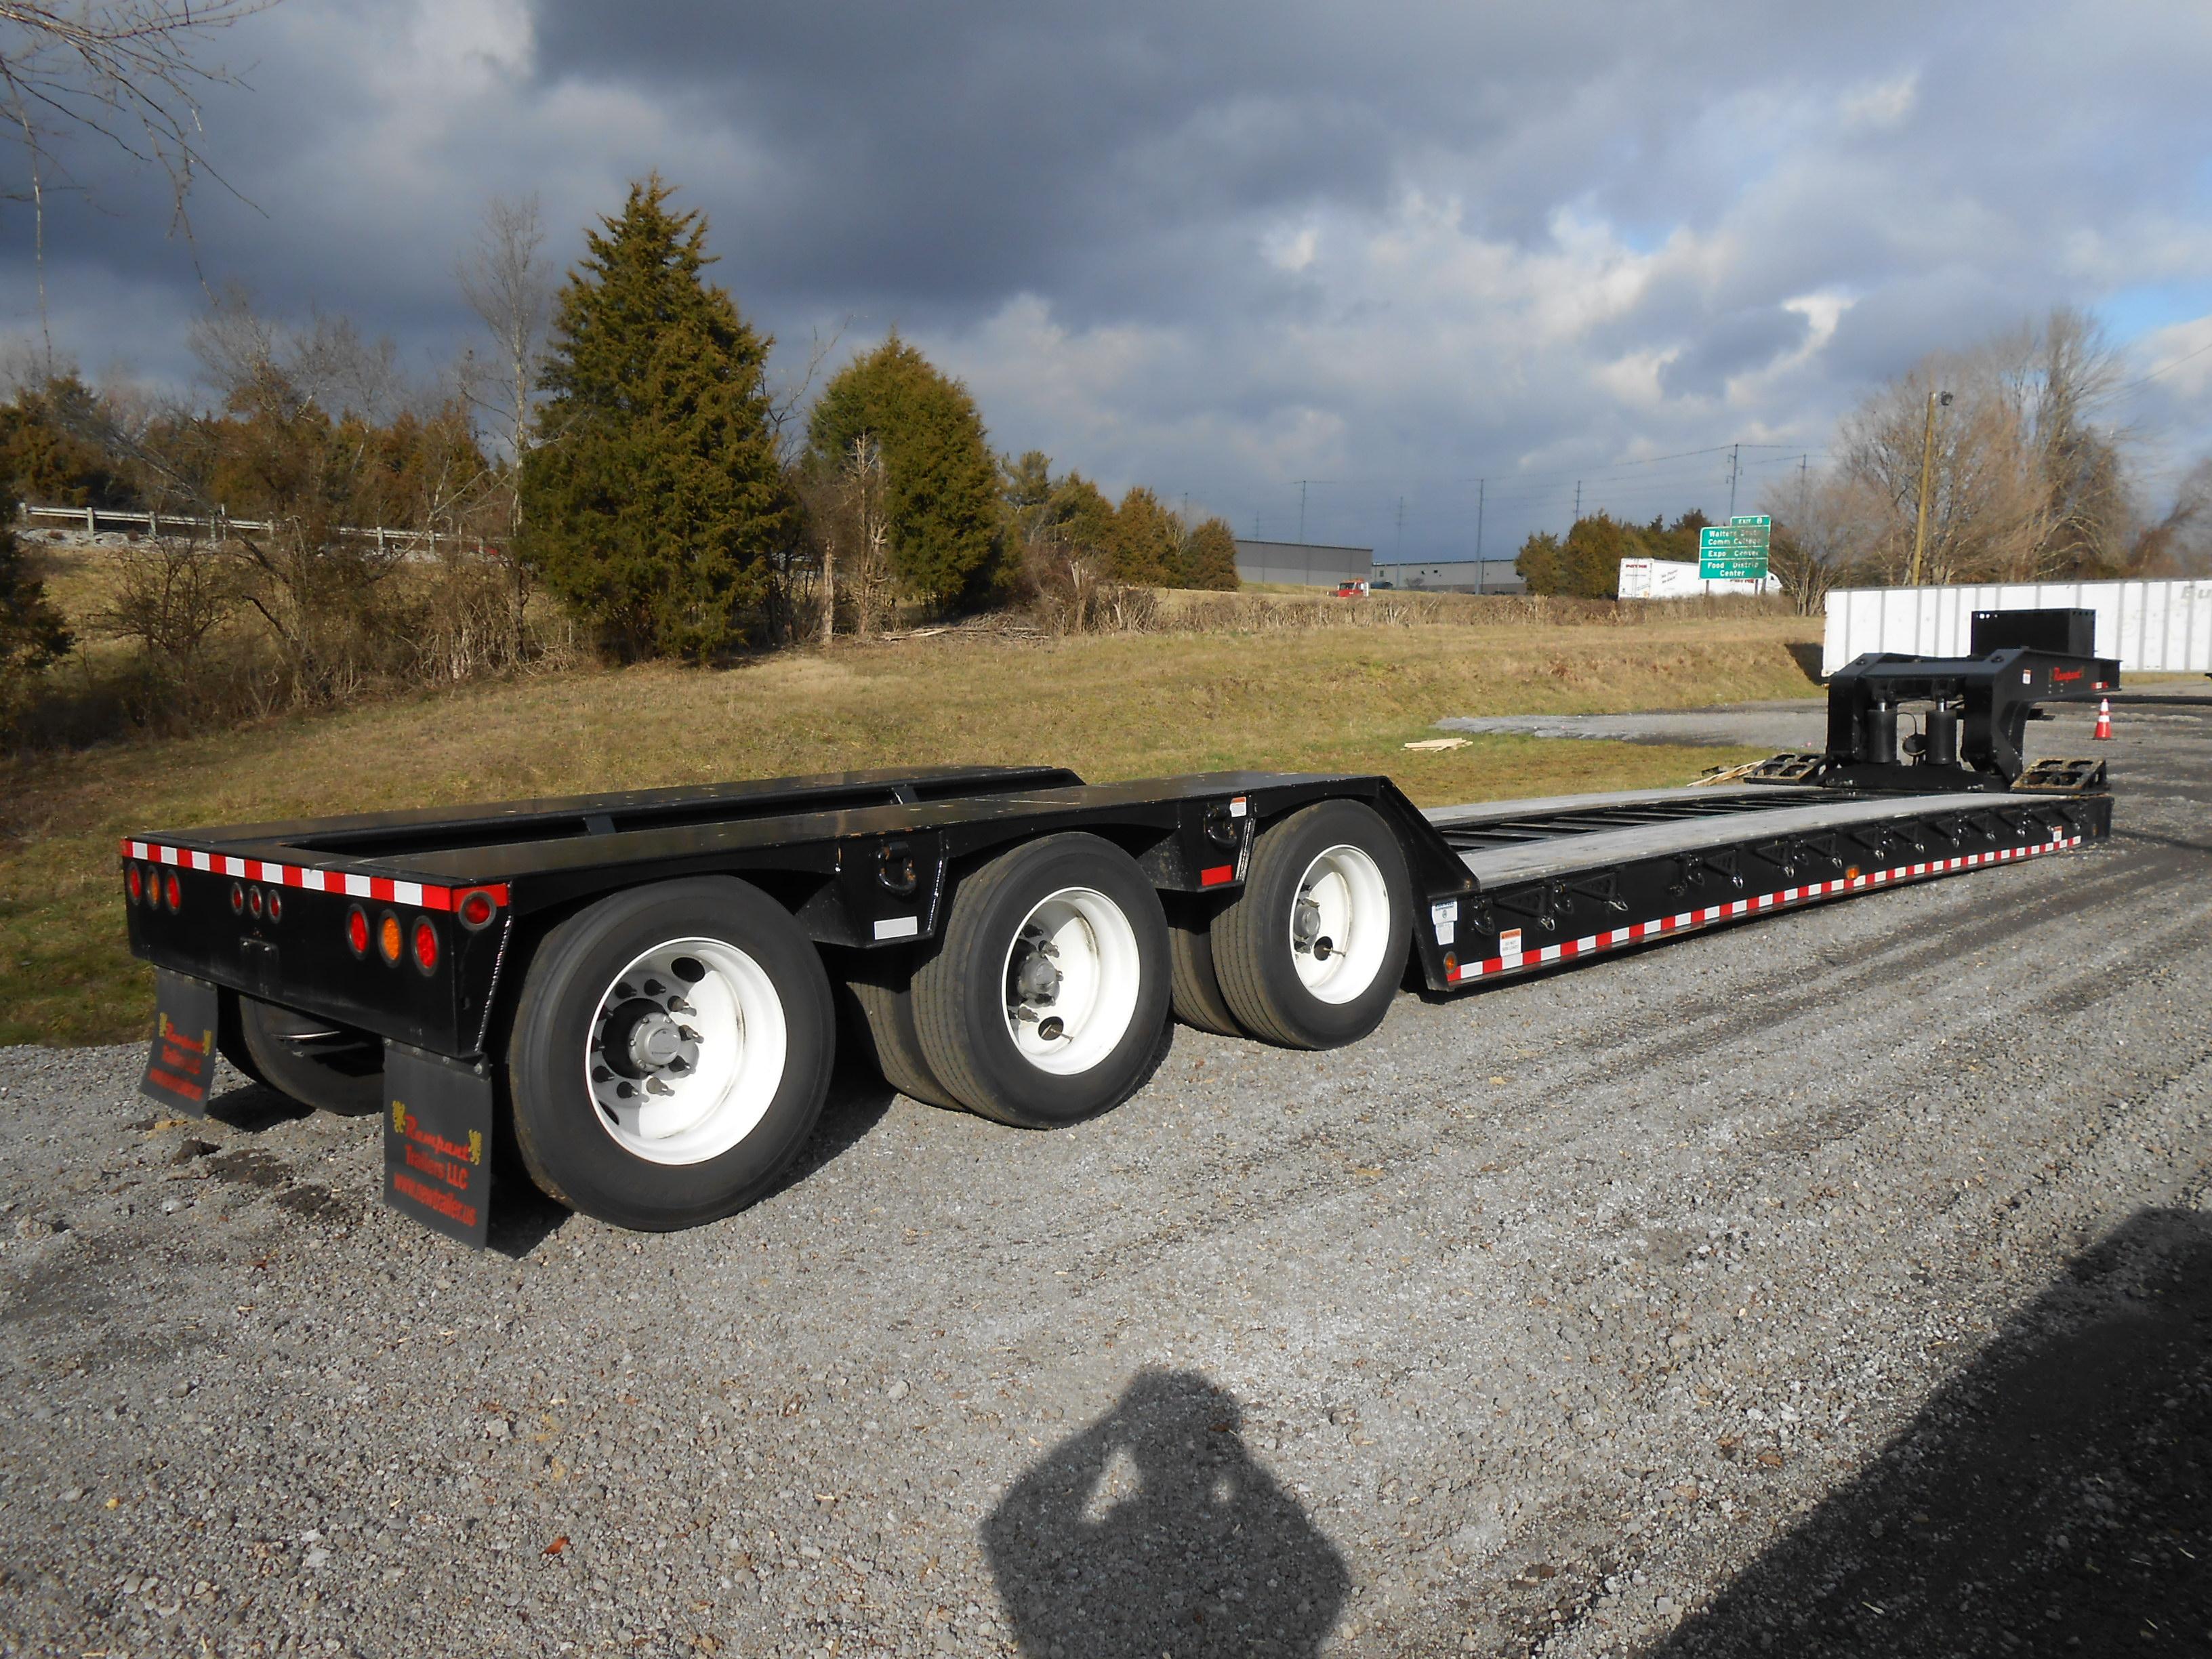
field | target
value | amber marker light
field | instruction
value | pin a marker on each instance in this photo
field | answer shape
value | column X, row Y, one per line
column 388, row 937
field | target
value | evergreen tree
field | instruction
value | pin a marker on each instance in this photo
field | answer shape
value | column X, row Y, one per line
column 653, row 500
column 1080, row 516
column 1146, row 543
column 1026, row 487
column 31, row 631
column 1209, row 556
column 1540, row 565
column 1590, row 562
column 941, row 485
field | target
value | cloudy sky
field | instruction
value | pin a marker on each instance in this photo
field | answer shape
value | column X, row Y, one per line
column 1389, row 249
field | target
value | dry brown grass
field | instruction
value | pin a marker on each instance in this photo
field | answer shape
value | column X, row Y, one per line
column 1115, row 706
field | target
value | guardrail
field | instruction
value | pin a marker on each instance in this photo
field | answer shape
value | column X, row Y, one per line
column 93, row 519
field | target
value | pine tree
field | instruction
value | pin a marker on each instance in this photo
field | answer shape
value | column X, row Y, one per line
column 1209, row 556
column 1539, row 565
column 32, row 634
column 653, row 500
column 941, row 485
column 1147, row 541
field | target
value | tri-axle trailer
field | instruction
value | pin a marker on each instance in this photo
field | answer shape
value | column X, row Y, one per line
column 637, row 999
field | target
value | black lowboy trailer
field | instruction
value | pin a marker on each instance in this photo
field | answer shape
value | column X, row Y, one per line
column 636, row 999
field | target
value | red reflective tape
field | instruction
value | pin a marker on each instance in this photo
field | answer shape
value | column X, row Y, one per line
column 381, row 888
column 1218, row 874
column 1787, row 898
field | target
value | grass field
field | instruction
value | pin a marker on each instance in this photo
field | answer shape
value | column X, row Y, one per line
column 1111, row 707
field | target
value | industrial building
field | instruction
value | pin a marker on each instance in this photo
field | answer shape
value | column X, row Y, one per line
column 1453, row 576
column 1303, row 564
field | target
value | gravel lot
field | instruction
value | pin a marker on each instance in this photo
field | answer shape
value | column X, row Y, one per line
column 1838, row 1283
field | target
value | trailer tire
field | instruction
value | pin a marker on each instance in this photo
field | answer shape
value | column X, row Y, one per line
column 1310, row 952
column 230, row 1037
column 1196, row 985
column 887, row 1029
column 701, row 994
column 1095, row 1024
column 318, row 1062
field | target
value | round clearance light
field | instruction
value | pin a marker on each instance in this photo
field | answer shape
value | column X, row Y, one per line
column 357, row 931
column 135, row 880
column 476, row 909
column 253, row 900
column 171, row 892
column 388, row 938
column 237, row 898
column 426, row 945
column 276, row 905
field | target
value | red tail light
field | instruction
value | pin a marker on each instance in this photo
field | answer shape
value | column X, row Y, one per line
column 276, row 905
column 135, row 882
column 253, row 900
column 476, row 909
column 170, row 888
column 357, row 931
column 426, row 945
column 237, row 899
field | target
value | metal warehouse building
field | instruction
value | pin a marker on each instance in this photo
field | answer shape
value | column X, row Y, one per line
column 1303, row 564
column 1454, row 576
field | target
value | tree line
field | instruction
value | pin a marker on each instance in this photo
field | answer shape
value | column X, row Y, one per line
column 2032, row 475
column 617, row 449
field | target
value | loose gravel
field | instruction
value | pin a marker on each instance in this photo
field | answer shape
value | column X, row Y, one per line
column 1834, row 1283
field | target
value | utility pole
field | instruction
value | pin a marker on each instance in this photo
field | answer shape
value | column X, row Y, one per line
column 1579, row 504
column 1803, row 461
column 1481, row 489
column 1302, row 512
column 1927, row 478
column 1735, row 458
column 1400, row 549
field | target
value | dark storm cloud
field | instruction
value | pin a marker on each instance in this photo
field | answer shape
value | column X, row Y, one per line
column 1219, row 247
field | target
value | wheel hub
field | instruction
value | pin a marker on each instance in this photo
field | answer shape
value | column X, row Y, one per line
column 685, row 1051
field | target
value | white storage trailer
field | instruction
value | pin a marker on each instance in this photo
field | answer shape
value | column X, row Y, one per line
column 2147, row 627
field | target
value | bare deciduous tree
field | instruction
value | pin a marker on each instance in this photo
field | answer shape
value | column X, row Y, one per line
column 2028, row 481
column 508, row 285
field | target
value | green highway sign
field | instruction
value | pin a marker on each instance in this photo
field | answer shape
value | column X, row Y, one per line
column 1735, row 551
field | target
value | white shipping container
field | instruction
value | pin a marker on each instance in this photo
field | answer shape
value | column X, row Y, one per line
column 2152, row 627
column 1671, row 579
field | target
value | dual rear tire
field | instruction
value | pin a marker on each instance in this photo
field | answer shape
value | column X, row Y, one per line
column 672, row 1046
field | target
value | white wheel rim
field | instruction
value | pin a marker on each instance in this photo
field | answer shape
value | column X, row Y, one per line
column 1340, row 924
column 686, row 1051
column 1070, row 980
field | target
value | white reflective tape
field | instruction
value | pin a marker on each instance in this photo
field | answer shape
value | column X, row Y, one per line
column 407, row 892
column 312, row 880
column 898, row 927
column 138, row 850
column 357, row 886
column 1237, row 807
column 234, row 866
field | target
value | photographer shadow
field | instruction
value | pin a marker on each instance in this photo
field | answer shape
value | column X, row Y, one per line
column 1154, row 1531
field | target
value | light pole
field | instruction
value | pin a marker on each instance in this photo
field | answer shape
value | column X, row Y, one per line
column 1935, row 399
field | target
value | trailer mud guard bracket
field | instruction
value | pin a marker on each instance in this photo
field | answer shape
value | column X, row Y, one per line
column 437, row 1142
column 181, row 1060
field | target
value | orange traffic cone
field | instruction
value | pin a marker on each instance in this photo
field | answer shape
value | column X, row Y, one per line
column 2104, row 720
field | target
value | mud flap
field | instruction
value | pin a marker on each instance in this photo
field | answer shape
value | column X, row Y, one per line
column 180, row 1060
column 437, row 1142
